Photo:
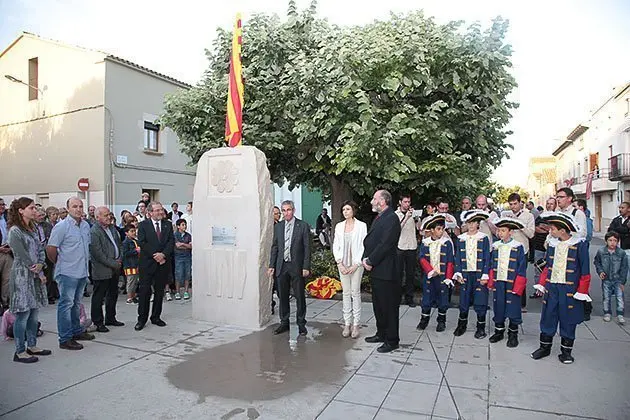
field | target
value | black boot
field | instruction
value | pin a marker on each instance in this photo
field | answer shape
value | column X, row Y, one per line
column 481, row 327
column 588, row 308
column 462, row 323
column 512, row 336
column 424, row 320
column 499, row 332
column 545, row 347
column 566, row 346
column 441, row 322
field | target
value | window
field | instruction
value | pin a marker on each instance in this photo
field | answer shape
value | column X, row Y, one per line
column 32, row 78
column 151, row 136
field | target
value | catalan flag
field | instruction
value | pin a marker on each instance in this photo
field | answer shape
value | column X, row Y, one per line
column 234, row 117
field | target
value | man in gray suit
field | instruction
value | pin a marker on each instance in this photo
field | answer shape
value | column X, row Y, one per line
column 105, row 254
column 291, row 262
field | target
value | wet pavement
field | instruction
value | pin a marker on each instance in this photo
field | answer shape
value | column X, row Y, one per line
column 195, row 370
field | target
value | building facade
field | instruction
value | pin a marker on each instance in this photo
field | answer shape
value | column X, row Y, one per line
column 594, row 159
column 541, row 181
column 68, row 113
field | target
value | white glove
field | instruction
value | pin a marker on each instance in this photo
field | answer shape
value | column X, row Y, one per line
column 582, row 296
column 449, row 282
column 458, row 277
column 485, row 277
column 540, row 288
column 432, row 274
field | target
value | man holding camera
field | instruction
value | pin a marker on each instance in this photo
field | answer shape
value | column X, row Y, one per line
column 407, row 247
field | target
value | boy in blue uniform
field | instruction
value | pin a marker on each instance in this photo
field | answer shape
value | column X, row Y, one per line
column 472, row 263
column 436, row 260
column 564, row 283
column 507, row 280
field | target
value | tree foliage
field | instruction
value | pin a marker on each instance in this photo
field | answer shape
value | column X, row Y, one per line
column 404, row 103
column 502, row 193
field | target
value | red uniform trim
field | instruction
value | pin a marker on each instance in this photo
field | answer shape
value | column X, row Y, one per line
column 543, row 277
column 584, row 284
column 491, row 279
column 425, row 265
column 450, row 270
column 519, row 285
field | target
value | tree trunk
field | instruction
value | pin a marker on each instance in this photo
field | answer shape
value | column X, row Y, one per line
column 341, row 192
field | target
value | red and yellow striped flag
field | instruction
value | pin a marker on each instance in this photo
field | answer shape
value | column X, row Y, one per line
column 234, row 117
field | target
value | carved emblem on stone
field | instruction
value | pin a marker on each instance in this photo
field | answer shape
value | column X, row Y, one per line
column 224, row 176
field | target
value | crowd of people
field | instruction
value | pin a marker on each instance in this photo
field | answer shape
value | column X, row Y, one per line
column 50, row 256
column 478, row 250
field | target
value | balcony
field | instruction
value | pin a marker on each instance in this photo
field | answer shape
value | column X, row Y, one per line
column 619, row 167
column 601, row 181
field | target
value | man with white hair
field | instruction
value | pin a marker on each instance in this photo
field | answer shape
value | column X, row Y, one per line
column 486, row 226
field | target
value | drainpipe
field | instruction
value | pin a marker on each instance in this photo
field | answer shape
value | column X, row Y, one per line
column 112, row 192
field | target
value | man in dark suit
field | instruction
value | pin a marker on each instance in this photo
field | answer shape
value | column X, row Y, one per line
column 380, row 260
column 156, row 242
column 291, row 262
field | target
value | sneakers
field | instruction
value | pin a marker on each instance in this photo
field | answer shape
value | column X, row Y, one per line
column 168, row 296
column 621, row 319
column 70, row 345
column 355, row 331
column 132, row 302
column 186, row 295
column 607, row 317
column 346, row 331
column 178, row 296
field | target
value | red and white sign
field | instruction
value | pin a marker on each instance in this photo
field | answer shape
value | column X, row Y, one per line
column 83, row 184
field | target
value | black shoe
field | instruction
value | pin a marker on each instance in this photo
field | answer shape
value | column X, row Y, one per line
column 424, row 321
column 512, row 340
column 282, row 328
column 302, row 330
column 115, row 323
column 386, row 348
column 135, row 300
column 102, row 328
column 481, row 330
column 374, row 339
column 31, row 359
column 159, row 323
column 86, row 294
column 40, row 352
column 84, row 336
column 587, row 316
column 410, row 303
column 441, row 322
column 139, row 326
column 70, row 345
column 566, row 347
column 462, row 324
column 273, row 307
column 545, row 347
column 499, row 333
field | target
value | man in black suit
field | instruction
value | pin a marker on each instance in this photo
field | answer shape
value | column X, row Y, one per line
column 380, row 260
column 291, row 262
column 156, row 242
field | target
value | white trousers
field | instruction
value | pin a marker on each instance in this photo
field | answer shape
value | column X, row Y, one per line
column 351, row 285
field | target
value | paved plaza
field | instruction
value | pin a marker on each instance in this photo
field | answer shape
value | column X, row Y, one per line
column 196, row 370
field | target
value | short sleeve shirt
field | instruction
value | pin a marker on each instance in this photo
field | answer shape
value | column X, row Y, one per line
column 72, row 241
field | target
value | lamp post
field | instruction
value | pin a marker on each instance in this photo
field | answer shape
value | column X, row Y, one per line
column 16, row 80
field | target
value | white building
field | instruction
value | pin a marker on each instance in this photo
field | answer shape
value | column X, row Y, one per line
column 594, row 159
column 68, row 113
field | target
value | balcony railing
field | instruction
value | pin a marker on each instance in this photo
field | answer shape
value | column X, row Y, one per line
column 619, row 167
column 568, row 180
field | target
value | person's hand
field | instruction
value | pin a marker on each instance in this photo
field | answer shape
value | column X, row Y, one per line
column 137, row 249
column 448, row 282
column 483, row 282
column 305, row 273
column 352, row 269
column 602, row 276
column 36, row 268
column 270, row 271
column 540, row 290
column 5, row 249
column 178, row 244
column 366, row 265
column 458, row 278
column 42, row 278
column 621, row 286
column 582, row 296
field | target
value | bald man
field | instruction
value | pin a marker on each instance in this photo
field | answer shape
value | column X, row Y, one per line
column 486, row 226
column 105, row 254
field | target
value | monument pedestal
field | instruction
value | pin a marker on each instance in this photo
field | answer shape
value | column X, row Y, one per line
column 233, row 201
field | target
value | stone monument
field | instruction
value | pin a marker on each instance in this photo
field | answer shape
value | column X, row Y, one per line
column 233, row 202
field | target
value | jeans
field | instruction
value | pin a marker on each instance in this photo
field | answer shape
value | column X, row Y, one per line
column 610, row 288
column 25, row 329
column 68, row 309
column 351, row 288
column 628, row 254
column 183, row 270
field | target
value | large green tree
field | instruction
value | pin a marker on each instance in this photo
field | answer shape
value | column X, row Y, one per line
column 404, row 104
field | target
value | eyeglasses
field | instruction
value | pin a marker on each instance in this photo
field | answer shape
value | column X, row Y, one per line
column 562, row 196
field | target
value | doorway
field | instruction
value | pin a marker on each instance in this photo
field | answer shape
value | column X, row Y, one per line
column 598, row 213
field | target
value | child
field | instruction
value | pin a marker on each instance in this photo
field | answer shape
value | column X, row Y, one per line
column 436, row 260
column 131, row 252
column 564, row 282
column 507, row 279
column 183, row 259
column 611, row 264
column 472, row 263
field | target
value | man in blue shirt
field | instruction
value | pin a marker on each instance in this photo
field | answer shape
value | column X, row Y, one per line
column 68, row 248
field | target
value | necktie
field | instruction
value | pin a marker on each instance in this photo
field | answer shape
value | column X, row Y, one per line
column 288, row 230
column 157, row 230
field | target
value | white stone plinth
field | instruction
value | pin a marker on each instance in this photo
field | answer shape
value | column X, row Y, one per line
column 233, row 199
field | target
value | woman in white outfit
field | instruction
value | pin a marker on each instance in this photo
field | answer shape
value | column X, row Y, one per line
column 348, row 250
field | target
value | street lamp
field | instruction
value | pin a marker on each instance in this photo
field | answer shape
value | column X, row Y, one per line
column 16, row 80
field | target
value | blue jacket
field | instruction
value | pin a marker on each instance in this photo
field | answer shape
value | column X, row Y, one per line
column 578, row 273
column 615, row 265
column 130, row 255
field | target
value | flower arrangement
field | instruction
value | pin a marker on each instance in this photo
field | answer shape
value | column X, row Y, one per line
column 323, row 287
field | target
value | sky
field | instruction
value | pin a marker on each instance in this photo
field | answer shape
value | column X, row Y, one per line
column 568, row 54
